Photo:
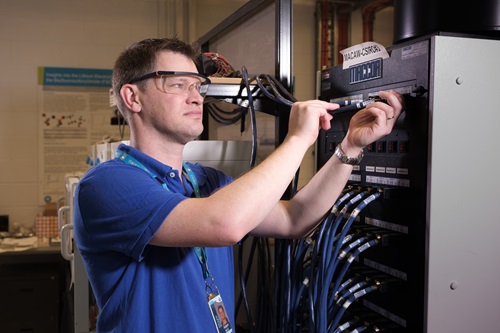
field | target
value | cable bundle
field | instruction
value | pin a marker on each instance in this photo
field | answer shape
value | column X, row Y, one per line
column 312, row 290
column 227, row 113
column 274, row 90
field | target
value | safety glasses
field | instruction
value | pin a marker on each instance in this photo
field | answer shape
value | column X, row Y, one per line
column 179, row 83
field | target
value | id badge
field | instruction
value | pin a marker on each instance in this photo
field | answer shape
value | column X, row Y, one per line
column 219, row 314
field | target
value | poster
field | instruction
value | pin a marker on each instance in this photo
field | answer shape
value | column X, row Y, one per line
column 74, row 114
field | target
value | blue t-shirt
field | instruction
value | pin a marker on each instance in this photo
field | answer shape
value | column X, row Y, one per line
column 140, row 287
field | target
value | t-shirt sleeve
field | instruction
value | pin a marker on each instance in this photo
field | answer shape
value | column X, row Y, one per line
column 121, row 213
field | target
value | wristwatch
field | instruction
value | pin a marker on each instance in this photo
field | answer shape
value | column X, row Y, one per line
column 346, row 159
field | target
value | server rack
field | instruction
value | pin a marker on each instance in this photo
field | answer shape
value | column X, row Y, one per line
column 436, row 171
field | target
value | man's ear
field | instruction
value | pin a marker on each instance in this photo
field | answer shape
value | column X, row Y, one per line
column 129, row 95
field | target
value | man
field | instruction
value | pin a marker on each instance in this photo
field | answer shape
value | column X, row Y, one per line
column 156, row 236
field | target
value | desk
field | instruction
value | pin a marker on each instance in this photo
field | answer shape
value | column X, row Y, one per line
column 34, row 291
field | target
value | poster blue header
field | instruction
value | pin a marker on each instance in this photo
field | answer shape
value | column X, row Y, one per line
column 75, row 77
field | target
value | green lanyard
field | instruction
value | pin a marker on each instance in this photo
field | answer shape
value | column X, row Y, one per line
column 201, row 252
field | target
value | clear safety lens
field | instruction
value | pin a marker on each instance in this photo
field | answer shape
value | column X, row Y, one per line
column 182, row 85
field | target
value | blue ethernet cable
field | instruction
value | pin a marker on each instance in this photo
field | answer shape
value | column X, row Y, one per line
column 338, row 289
column 360, row 195
column 350, row 221
column 303, row 285
column 299, row 270
column 286, row 285
column 351, row 258
column 327, row 250
column 345, row 295
column 315, row 283
column 328, row 254
column 324, row 273
column 299, row 264
column 347, row 195
column 347, row 303
column 322, row 302
column 326, row 245
column 348, row 262
column 346, row 284
column 334, row 215
column 345, row 251
column 332, row 225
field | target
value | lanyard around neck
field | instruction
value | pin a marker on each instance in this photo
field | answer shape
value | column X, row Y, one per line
column 201, row 253
column 126, row 158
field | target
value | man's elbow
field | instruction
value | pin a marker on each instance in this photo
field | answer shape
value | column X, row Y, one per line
column 230, row 231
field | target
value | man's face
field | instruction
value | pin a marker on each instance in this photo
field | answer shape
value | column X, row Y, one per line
column 177, row 115
column 221, row 313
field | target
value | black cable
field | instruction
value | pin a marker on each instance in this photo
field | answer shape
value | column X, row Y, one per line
column 222, row 116
column 277, row 89
column 244, row 74
column 252, row 163
column 276, row 85
column 243, row 280
column 224, row 121
column 265, row 270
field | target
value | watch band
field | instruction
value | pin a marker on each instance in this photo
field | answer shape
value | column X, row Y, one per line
column 346, row 159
